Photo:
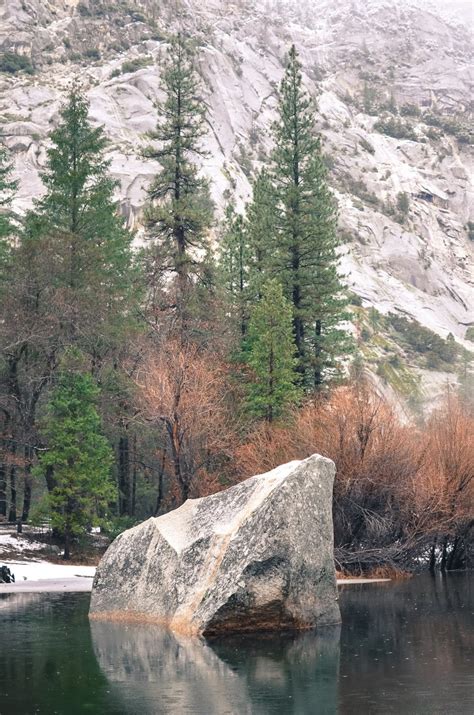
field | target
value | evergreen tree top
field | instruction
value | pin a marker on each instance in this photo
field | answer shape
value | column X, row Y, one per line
column 7, row 189
column 79, row 189
column 294, row 130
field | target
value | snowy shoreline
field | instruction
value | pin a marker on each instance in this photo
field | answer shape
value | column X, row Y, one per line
column 46, row 577
column 38, row 575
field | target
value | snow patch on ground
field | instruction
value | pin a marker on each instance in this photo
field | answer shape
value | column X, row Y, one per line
column 45, row 571
column 9, row 543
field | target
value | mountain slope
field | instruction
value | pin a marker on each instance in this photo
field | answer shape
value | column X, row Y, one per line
column 393, row 91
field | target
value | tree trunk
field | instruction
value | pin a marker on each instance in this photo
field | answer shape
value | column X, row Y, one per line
column 444, row 554
column 134, row 476
column 124, row 476
column 12, row 512
column 318, row 376
column 67, row 545
column 3, row 490
column 27, row 494
column 432, row 565
column 161, row 472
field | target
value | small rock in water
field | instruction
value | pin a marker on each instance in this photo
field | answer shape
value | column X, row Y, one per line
column 256, row 557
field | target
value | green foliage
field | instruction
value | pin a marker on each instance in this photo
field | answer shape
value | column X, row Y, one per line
column 304, row 251
column 410, row 110
column 439, row 354
column 457, row 126
column 72, row 281
column 261, row 230
column 77, row 221
column 403, row 203
column 366, row 145
column 7, row 223
column 7, row 190
column 12, row 63
column 396, row 127
column 114, row 526
column 234, row 268
column 92, row 53
column 78, row 457
column 271, row 355
column 135, row 64
column 179, row 212
column 370, row 99
column 470, row 334
column 359, row 188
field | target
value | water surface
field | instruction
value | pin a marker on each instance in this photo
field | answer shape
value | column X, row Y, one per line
column 404, row 648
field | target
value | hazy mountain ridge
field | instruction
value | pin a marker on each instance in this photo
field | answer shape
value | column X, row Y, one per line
column 360, row 59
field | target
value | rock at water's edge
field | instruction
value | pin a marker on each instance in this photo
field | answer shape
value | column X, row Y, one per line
column 256, row 557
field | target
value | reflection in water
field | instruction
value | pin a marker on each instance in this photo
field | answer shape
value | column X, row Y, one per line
column 46, row 661
column 408, row 647
column 404, row 648
column 238, row 675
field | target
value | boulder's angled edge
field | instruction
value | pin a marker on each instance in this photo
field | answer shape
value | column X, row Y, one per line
column 255, row 557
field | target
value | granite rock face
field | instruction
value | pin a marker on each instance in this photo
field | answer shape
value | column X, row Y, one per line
column 256, row 557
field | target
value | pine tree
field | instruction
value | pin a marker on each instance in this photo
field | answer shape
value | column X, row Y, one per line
column 306, row 260
column 7, row 224
column 73, row 275
column 261, row 232
column 78, row 455
column 234, row 268
column 7, row 189
column 271, row 355
column 179, row 212
column 78, row 221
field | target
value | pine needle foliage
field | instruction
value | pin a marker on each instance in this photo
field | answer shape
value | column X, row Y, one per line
column 78, row 455
column 271, row 355
column 306, row 247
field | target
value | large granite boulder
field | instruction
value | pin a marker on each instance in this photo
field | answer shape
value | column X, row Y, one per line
column 256, row 557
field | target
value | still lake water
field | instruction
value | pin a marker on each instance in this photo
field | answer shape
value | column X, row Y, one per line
column 404, row 648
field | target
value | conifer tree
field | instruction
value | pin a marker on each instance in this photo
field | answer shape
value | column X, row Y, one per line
column 7, row 189
column 306, row 260
column 7, row 225
column 271, row 355
column 73, row 274
column 7, row 229
column 234, row 268
column 179, row 212
column 261, row 232
column 78, row 455
column 79, row 221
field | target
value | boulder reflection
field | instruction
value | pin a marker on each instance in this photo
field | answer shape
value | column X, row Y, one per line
column 155, row 671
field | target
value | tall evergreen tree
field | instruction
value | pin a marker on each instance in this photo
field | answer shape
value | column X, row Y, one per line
column 7, row 229
column 306, row 259
column 7, row 224
column 73, row 274
column 179, row 212
column 78, row 216
column 261, row 232
column 271, row 355
column 234, row 268
column 78, row 455
column 7, row 190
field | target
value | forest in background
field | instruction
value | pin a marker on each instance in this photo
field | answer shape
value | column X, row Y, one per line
column 132, row 379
